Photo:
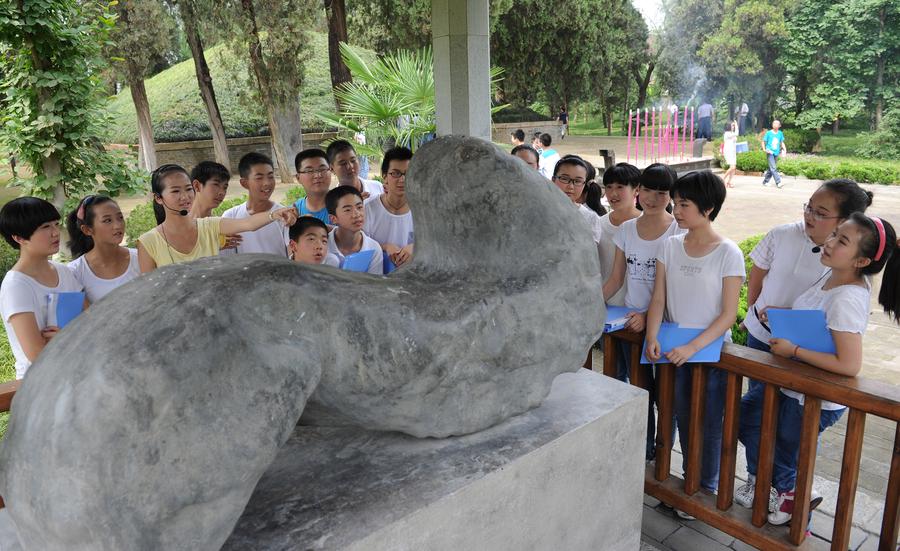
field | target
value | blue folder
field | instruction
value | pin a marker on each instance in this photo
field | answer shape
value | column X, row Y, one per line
column 616, row 317
column 68, row 306
column 358, row 262
column 806, row 328
column 389, row 265
column 671, row 336
column 741, row 147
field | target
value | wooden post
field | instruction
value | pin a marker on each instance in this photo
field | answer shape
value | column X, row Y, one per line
column 694, row 453
column 890, row 522
column 666, row 391
column 766, row 455
column 730, row 426
column 843, row 515
column 806, row 464
column 609, row 355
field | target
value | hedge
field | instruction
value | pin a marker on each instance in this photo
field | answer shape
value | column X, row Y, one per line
column 815, row 168
column 738, row 335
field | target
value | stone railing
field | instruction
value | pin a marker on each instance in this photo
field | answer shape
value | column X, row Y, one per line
column 862, row 397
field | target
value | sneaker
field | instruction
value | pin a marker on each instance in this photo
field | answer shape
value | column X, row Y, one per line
column 683, row 516
column 785, row 506
column 765, row 182
column 743, row 496
column 779, row 185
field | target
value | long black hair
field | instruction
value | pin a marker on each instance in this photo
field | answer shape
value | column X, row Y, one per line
column 888, row 260
column 83, row 215
column 850, row 197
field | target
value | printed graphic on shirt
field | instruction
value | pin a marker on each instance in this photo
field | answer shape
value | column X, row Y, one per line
column 690, row 271
column 643, row 271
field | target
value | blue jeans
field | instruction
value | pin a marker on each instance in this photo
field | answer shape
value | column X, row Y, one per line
column 364, row 167
column 714, row 408
column 623, row 368
column 787, row 435
column 755, row 344
column 772, row 171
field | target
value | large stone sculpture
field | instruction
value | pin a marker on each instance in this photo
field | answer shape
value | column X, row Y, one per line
column 148, row 422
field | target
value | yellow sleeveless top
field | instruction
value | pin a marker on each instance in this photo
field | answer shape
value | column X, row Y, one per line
column 164, row 254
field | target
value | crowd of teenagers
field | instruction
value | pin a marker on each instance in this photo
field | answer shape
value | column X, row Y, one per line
column 659, row 252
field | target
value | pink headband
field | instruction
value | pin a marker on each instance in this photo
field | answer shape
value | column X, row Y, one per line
column 881, row 237
column 80, row 214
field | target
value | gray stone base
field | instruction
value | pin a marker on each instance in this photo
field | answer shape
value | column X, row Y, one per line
column 567, row 475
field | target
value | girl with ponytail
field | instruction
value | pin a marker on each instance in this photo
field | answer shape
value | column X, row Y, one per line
column 96, row 229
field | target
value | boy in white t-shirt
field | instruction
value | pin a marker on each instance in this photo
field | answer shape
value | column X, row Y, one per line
column 698, row 281
column 388, row 218
column 348, row 214
column 345, row 164
column 309, row 242
column 31, row 226
column 258, row 178
column 549, row 157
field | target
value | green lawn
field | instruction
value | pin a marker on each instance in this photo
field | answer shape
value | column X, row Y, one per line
column 594, row 126
column 7, row 371
column 176, row 108
column 844, row 144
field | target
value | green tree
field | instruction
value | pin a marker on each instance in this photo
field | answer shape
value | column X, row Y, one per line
column 680, row 70
column 141, row 40
column 53, row 98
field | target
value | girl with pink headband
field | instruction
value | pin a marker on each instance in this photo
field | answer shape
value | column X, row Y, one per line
column 861, row 247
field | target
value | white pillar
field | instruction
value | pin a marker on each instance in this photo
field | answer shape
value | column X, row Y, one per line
column 462, row 62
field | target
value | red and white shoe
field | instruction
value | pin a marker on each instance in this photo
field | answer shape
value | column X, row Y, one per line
column 784, row 506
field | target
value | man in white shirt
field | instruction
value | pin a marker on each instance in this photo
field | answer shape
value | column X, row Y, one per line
column 549, row 157
column 344, row 163
column 388, row 218
column 705, row 120
column 258, row 178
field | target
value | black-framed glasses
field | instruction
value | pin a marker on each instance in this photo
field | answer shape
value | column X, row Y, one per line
column 566, row 181
column 808, row 211
column 315, row 171
column 396, row 174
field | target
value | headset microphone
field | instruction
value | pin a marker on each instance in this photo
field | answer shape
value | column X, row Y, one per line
column 817, row 249
column 182, row 212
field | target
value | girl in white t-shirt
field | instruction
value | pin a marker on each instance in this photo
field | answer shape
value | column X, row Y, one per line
column 698, row 280
column 31, row 225
column 637, row 242
column 786, row 262
column 861, row 246
column 96, row 229
column 620, row 184
column 729, row 150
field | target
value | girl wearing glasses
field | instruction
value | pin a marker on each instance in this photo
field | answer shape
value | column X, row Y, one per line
column 96, row 229
column 180, row 237
column 786, row 263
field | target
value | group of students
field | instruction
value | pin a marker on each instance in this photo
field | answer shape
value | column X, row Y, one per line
column 324, row 227
column 662, row 259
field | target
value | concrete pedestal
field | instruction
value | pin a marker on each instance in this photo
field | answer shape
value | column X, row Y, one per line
column 567, row 475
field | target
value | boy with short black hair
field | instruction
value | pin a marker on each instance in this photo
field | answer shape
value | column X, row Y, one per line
column 348, row 214
column 258, row 178
column 549, row 157
column 388, row 218
column 314, row 175
column 528, row 154
column 345, row 164
column 31, row 226
column 309, row 242
column 210, row 181
column 517, row 137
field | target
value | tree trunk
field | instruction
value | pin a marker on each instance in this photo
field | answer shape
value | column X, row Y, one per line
column 279, row 116
column 643, row 83
column 336, row 12
column 879, row 74
column 204, row 82
column 145, row 126
column 835, row 126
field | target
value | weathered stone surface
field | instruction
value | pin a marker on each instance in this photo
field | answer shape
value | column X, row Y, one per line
column 148, row 422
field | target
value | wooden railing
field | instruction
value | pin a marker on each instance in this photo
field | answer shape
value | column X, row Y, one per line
column 860, row 395
column 7, row 391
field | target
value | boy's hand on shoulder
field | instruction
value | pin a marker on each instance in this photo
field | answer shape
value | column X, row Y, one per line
column 681, row 354
column 636, row 321
column 288, row 215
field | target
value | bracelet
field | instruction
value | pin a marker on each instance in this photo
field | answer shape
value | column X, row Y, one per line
column 271, row 215
column 796, row 349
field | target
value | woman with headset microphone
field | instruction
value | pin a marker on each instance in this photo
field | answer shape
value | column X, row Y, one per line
column 182, row 237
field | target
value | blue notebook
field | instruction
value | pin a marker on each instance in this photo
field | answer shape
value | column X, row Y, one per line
column 616, row 317
column 358, row 262
column 64, row 307
column 671, row 336
column 389, row 265
column 806, row 328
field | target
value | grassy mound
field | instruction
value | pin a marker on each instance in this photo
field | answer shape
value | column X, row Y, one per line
column 177, row 110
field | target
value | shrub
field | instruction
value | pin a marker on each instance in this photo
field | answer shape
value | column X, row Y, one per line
column 819, row 170
column 885, row 143
column 867, row 172
column 294, row 194
column 139, row 221
column 227, row 204
column 738, row 335
column 800, row 140
column 752, row 161
column 8, row 257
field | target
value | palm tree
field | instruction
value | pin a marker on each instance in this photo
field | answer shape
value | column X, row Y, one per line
column 391, row 100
